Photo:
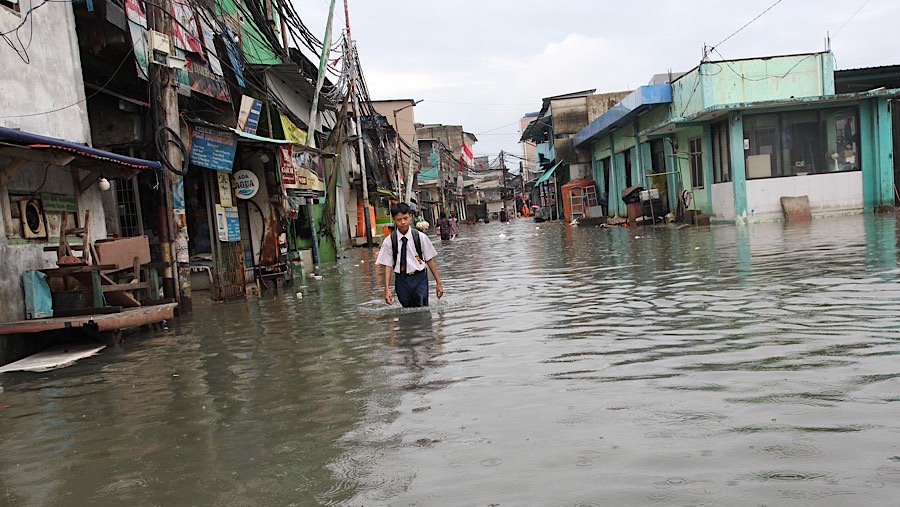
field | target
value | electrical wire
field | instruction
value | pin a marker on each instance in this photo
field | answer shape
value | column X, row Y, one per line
column 851, row 17
column 85, row 99
column 745, row 25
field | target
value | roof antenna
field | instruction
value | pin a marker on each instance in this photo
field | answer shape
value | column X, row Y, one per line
column 827, row 42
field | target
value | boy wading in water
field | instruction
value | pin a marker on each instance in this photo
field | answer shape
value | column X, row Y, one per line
column 407, row 252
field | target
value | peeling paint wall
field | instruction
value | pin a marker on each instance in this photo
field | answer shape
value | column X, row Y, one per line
column 51, row 79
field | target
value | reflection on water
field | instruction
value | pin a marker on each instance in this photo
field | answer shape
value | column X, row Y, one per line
column 565, row 366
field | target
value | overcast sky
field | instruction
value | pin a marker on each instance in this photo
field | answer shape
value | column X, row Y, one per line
column 484, row 64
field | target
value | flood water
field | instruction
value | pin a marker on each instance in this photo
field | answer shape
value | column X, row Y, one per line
column 564, row 366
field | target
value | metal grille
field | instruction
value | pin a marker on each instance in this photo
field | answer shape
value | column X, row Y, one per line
column 129, row 214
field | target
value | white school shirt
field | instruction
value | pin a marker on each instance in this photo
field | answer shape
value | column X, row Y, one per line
column 386, row 254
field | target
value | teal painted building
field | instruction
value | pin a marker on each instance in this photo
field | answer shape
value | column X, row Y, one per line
column 730, row 138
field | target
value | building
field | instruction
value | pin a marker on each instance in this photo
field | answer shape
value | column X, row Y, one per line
column 444, row 164
column 729, row 138
column 529, row 163
column 52, row 170
column 559, row 160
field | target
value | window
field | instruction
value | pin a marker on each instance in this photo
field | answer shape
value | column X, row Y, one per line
column 12, row 5
column 627, row 155
column 657, row 156
column 802, row 142
column 128, row 208
column 720, row 153
column 695, row 154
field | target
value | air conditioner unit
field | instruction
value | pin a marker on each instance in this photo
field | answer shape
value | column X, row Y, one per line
column 32, row 219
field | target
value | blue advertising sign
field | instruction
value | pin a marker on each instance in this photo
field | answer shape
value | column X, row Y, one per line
column 213, row 149
column 248, row 115
column 232, row 224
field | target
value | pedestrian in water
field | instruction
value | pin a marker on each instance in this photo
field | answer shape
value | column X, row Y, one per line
column 446, row 228
column 407, row 252
column 454, row 225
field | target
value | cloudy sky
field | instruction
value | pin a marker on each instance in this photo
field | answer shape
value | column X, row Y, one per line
column 482, row 64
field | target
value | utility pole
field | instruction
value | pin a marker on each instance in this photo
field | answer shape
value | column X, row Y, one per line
column 323, row 62
column 440, row 173
column 351, row 54
column 164, row 102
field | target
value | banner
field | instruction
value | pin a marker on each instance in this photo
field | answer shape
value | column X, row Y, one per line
column 184, row 30
column 292, row 132
column 137, row 27
column 300, row 169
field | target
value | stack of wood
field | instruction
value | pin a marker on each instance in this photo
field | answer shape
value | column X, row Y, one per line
column 87, row 275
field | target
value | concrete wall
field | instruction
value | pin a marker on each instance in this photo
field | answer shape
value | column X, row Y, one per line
column 600, row 103
column 19, row 255
column 50, row 80
column 723, row 202
column 752, row 80
column 527, row 146
column 828, row 193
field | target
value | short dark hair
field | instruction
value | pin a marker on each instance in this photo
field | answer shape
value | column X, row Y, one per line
column 401, row 208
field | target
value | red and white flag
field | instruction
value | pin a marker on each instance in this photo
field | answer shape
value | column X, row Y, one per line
column 467, row 154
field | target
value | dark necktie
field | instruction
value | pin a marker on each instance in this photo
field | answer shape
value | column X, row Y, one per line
column 403, row 255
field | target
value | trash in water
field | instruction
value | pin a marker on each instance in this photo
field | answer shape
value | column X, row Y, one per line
column 299, row 295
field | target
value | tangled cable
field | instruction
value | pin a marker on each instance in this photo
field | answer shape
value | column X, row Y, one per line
column 164, row 137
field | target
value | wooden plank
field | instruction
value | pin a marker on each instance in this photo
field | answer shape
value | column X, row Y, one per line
column 128, row 317
column 54, row 357
column 125, row 286
column 28, row 154
column 75, row 312
column 76, row 270
column 96, row 290
column 88, row 180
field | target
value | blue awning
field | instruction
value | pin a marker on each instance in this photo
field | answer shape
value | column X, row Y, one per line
column 37, row 142
column 260, row 139
column 639, row 100
column 546, row 176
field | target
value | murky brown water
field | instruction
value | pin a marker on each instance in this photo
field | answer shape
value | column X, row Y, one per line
column 724, row 366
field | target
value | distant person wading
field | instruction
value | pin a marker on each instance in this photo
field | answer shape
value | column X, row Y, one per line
column 407, row 252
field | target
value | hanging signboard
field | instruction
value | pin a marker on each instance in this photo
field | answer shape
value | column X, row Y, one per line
column 224, row 185
column 213, row 149
column 58, row 202
column 300, row 169
column 248, row 115
column 246, row 184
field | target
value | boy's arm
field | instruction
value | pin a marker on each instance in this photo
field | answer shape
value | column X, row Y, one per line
column 438, row 286
column 387, row 285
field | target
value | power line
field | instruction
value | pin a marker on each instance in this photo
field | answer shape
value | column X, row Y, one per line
column 851, row 17
column 745, row 26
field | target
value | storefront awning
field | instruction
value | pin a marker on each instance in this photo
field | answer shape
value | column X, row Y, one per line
column 719, row 111
column 17, row 144
column 259, row 139
column 546, row 176
column 628, row 108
